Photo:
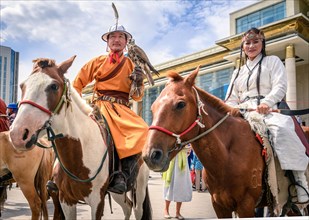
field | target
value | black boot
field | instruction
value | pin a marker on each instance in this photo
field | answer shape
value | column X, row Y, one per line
column 118, row 182
column 123, row 181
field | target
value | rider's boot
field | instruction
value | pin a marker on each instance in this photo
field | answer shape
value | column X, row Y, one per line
column 302, row 190
column 124, row 180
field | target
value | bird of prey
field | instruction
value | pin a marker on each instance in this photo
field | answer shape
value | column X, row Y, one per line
column 140, row 59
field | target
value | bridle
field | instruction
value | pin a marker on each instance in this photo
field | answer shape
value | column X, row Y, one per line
column 65, row 99
column 179, row 144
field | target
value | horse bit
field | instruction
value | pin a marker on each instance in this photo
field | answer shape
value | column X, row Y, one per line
column 179, row 144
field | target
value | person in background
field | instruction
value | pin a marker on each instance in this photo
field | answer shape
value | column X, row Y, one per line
column 190, row 155
column 177, row 183
column 12, row 109
column 261, row 84
column 197, row 166
column 4, row 121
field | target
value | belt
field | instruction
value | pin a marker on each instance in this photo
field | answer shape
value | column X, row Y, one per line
column 253, row 97
column 113, row 100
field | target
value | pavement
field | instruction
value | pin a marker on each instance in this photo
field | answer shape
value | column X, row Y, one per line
column 17, row 208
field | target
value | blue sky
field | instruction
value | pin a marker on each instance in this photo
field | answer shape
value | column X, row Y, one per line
column 60, row 29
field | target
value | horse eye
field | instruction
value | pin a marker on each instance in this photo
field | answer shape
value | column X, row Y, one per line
column 180, row 105
column 54, row 87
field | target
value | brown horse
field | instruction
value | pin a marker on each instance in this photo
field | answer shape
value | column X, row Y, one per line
column 221, row 138
column 51, row 105
column 31, row 170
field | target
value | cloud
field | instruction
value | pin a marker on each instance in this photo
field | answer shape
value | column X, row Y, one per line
column 60, row 29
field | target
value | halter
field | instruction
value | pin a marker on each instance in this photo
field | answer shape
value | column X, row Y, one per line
column 65, row 98
column 179, row 144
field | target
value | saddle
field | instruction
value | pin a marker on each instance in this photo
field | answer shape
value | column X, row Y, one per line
column 278, row 185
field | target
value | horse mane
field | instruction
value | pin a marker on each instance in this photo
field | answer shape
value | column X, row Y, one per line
column 174, row 76
column 81, row 103
column 215, row 101
column 41, row 63
column 219, row 104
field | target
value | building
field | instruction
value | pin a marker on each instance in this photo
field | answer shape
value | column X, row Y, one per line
column 9, row 61
column 286, row 27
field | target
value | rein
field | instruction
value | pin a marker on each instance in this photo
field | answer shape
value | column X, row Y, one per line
column 65, row 98
column 179, row 144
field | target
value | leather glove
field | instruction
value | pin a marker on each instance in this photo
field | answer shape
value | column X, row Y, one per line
column 137, row 76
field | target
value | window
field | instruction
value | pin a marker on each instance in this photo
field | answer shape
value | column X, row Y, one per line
column 262, row 17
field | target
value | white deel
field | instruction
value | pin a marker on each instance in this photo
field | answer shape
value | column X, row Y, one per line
column 302, row 193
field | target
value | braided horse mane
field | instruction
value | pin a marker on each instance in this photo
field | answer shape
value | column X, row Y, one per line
column 213, row 100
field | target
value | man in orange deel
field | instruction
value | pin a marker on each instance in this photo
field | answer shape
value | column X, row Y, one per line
column 114, row 74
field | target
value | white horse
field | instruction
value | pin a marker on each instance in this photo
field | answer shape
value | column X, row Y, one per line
column 51, row 105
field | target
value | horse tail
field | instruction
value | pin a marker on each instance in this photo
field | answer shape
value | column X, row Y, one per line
column 147, row 210
column 44, row 173
column 3, row 197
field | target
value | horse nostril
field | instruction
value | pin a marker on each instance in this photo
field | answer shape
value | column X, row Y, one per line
column 25, row 136
column 156, row 155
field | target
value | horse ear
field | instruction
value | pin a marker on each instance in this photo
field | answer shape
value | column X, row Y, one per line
column 190, row 79
column 64, row 66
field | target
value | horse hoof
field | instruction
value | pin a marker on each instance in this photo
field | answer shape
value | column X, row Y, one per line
column 51, row 186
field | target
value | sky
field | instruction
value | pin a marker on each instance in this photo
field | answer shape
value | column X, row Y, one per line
column 165, row 29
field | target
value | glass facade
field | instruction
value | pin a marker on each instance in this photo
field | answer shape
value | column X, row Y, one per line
column 4, row 77
column 215, row 83
column 262, row 17
column 9, row 60
column 12, row 77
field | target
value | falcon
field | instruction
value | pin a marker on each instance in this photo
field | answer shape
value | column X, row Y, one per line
column 140, row 59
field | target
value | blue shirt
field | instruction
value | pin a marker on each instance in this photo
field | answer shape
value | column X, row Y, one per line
column 197, row 163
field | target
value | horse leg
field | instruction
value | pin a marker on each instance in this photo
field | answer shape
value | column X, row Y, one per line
column 221, row 211
column 70, row 211
column 246, row 209
column 124, row 203
column 142, row 208
column 33, row 199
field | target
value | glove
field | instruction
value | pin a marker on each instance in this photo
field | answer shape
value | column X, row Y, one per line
column 137, row 76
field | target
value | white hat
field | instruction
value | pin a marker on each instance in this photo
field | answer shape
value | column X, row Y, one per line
column 116, row 28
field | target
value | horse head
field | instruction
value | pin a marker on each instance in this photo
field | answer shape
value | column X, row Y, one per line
column 175, row 109
column 43, row 95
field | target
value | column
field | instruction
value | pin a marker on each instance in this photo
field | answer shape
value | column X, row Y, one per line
column 137, row 107
column 290, row 66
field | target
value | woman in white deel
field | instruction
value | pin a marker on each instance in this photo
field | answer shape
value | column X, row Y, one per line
column 262, row 83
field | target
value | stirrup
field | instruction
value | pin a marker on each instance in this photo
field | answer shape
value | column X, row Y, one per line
column 121, row 187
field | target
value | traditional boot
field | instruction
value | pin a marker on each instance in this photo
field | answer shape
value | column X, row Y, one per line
column 302, row 190
column 130, row 167
column 124, row 179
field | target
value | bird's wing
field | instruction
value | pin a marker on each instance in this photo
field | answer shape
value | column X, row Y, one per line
column 142, row 55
